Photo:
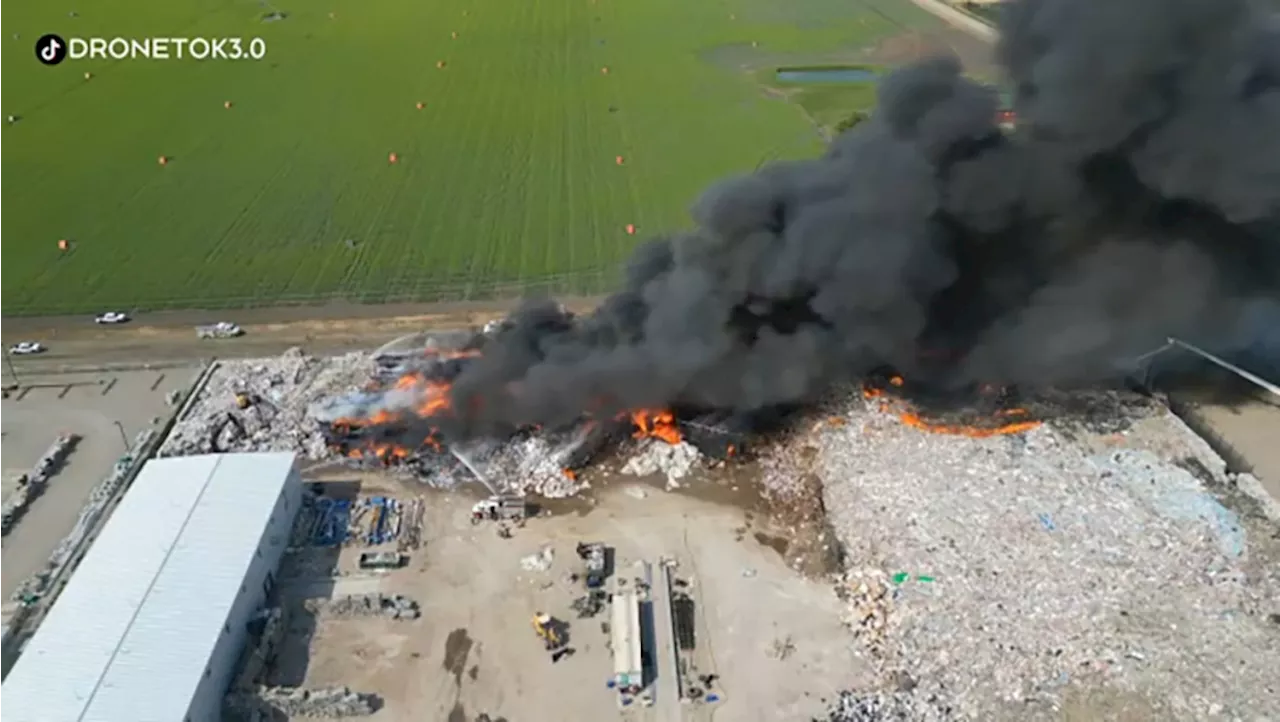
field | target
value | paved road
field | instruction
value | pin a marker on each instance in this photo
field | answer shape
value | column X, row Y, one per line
column 159, row 339
column 959, row 20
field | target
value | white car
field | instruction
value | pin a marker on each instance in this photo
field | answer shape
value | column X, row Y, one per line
column 112, row 317
column 221, row 329
column 26, row 348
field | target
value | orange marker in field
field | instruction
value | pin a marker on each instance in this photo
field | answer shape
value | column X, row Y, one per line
column 164, row 160
column 618, row 160
column 421, row 105
column 64, row 244
column 631, row 229
column 604, row 70
column 439, row 63
column 392, row 157
column 227, row 105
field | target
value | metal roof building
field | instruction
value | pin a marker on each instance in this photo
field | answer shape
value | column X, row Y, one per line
column 152, row 621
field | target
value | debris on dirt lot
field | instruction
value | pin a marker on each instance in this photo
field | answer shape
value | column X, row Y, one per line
column 539, row 562
column 394, row 606
column 896, row 707
column 329, row 702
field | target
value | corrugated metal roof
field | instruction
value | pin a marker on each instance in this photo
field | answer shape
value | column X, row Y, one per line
column 130, row 636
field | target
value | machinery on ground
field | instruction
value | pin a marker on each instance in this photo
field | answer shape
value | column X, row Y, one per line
column 499, row 508
column 548, row 630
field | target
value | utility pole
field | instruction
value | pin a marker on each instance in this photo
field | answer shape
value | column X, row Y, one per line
column 13, row 373
column 124, row 438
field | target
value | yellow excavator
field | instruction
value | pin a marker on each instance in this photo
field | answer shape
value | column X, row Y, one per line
column 545, row 626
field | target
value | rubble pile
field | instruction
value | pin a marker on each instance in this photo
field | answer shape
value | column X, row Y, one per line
column 394, row 606
column 540, row 561
column 532, row 465
column 673, row 461
column 325, row 702
column 283, row 392
column 902, row 706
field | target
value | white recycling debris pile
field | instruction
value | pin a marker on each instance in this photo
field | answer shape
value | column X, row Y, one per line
column 531, row 465
column 289, row 386
column 540, row 561
column 1014, row 576
column 674, row 461
column 394, row 606
column 328, row 702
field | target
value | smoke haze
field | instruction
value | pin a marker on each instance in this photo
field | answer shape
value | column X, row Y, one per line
column 1140, row 198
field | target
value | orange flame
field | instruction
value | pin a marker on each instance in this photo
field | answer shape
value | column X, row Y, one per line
column 975, row 432
column 656, row 424
column 914, row 420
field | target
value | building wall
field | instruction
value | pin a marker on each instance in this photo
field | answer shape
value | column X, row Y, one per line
column 206, row 704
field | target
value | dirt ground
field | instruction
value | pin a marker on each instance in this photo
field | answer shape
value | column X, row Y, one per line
column 1245, row 431
column 89, row 405
column 474, row 652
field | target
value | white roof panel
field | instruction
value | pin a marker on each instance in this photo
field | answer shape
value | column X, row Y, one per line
column 130, row 636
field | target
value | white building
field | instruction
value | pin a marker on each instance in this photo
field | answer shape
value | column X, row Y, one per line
column 152, row 622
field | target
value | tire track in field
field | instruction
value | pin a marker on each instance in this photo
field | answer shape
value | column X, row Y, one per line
column 224, row 237
column 465, row 169
column 562, row 199
column 48, row 276
column 624, row 132
column 437, row 207
column 606, row 220
column 528, row 165
column 451, row 200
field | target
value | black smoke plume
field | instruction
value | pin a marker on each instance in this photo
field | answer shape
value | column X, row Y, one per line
column 1138, row 199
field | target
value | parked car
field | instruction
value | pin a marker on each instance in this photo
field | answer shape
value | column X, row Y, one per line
column 112, row 317
column 26, row 348
column 221, row 329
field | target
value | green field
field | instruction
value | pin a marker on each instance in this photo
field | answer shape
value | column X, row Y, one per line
column 506, row 179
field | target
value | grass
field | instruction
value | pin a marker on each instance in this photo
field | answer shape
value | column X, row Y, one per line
column 506, row 179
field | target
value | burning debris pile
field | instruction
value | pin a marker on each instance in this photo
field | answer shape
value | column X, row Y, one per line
column 405, row 418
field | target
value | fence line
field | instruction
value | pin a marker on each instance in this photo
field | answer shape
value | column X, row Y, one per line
column 588, row 282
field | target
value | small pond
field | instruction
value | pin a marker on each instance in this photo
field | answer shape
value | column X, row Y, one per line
column 826, row 75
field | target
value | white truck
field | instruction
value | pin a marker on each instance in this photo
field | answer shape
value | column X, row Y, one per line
column 221, row 329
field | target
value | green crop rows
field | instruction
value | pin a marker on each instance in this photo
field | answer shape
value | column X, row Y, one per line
column 506, row 179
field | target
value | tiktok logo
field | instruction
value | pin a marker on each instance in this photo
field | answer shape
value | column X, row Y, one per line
column 51, row 49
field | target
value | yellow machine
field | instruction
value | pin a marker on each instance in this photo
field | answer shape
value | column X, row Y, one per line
column 243, row 401
column 544, row 625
